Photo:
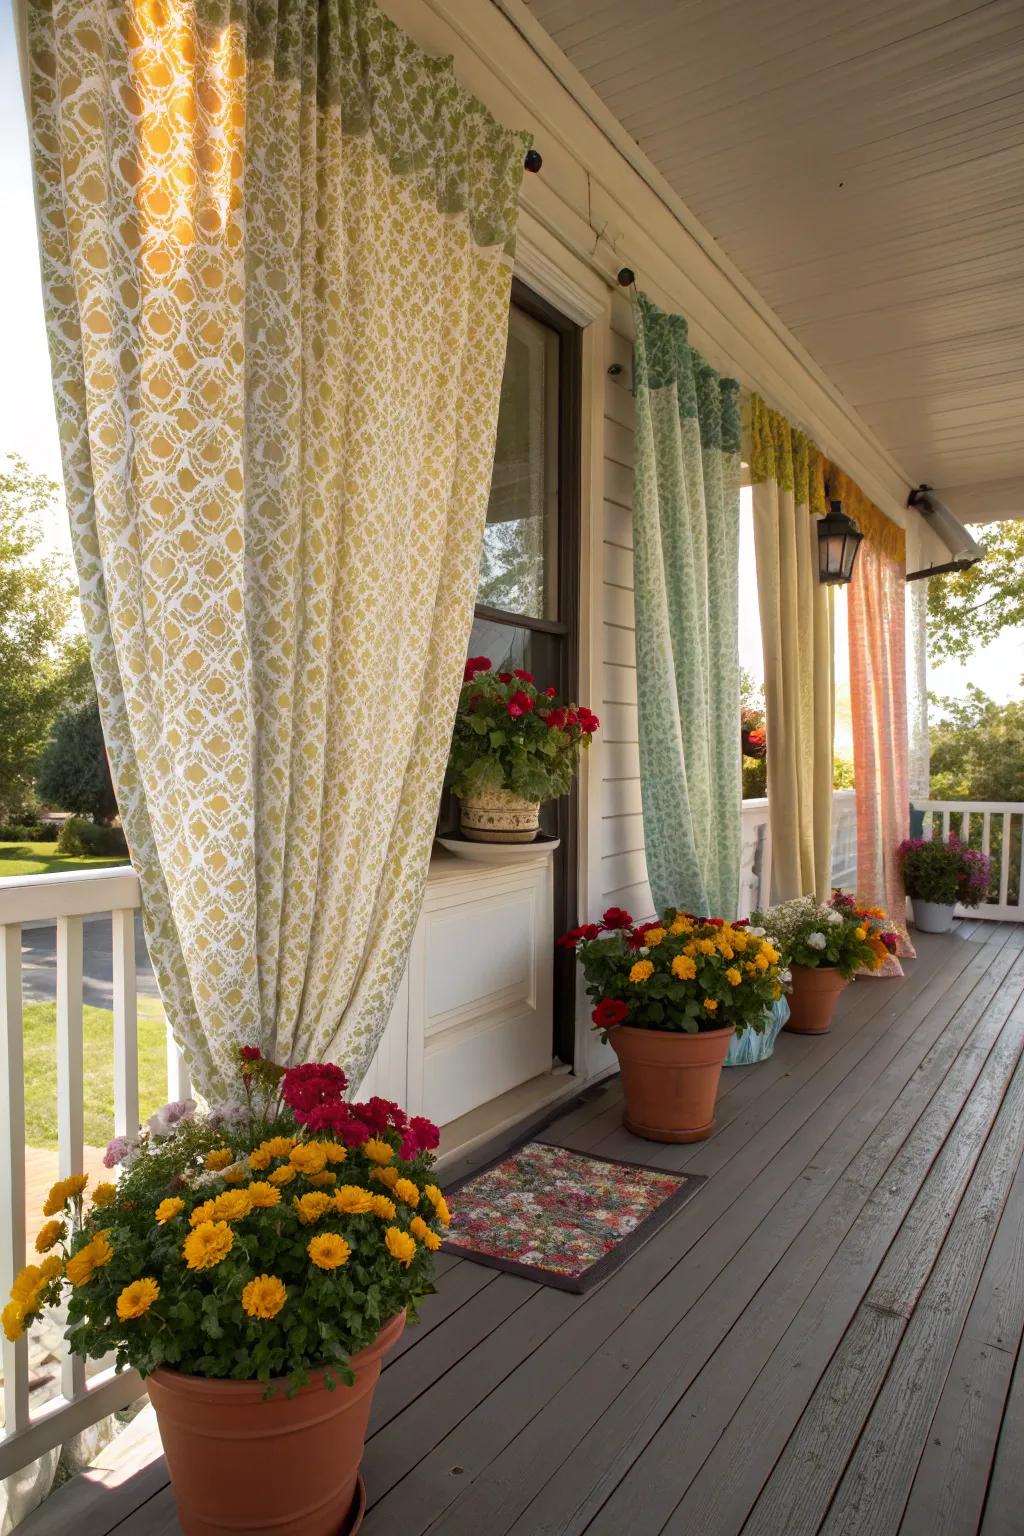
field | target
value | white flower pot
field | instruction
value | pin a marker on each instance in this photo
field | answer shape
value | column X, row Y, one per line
column 500, row 817
column 932, row 916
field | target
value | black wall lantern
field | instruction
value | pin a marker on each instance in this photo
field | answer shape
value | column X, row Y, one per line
column 838, row 542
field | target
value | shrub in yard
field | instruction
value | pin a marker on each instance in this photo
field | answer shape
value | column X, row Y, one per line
column 30, row 832
column 80, row 839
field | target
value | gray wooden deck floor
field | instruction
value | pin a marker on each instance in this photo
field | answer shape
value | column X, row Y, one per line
column 825, row 1339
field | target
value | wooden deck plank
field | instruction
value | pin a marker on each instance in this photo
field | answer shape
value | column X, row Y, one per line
column 948, row 1493
column 1005, row 1498
column 745, row 1177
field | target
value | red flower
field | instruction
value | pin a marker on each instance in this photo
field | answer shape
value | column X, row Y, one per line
column 550, row 692
column 251, row 1053
column 474, row 665
column 609, row 1012
column 555, row 719
column 524, row 677
column 891, row 941
column 617, row 917
column 742, row 922
column 310, row 1085
column 572, row 717
column 519, row 704
column 588, row 721
column 714, row 922
column 584, row 931
column 504, row 677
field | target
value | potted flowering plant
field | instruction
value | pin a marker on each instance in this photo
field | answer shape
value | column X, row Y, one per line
column 824, row 947
column 882, row 937
column 515, row 745
column 668, row 995
column 254, row 1264
column 937, row 874
column 753, row 740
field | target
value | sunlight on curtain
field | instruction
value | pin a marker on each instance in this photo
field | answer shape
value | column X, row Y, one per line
column 686, row 561
column 786, row 470
column 276, row 247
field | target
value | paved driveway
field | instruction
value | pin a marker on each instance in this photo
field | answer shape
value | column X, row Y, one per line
column 39, row 963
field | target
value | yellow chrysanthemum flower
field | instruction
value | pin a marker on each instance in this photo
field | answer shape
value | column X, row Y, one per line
column 54, row 1265
column 328, row 1250
column 726, row 951
column 237, row 1174
column 203, row 1213
column 259, row 1159
column 264, row 1296
column 311, row 1207
column 27, row 1284
column 137, row 1298
column 336, row 1153
column 654, row 936
column 83, row 1265
column 283, row 1175
column 406, row 1191
column 323, row 1180
column 710, row 1005
column 168, row 1209
column 13, row 1319
column 860, row 933
column 771, row 954
column 739, row 941
column 232, row 1205
column 400, row 1245
column 776, row 989
column 51, row 1232
column 439, row 1203
column 425, row 1234
column 351, row 1200
column 681, row 924
column 378, row 1151
column 104, row 1194
column 277, row 1146
column 208, row 1244
column 641, row 971
column 704, row 946
column 263, row 1194
column 309, row 1157
column 761, row 961
column 219, row 1158
column 63, row 1191
column 387, row 1176
column 733, row 976
column 685, row 967
column 384, row 1208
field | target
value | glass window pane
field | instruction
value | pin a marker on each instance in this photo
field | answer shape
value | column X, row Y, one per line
column 519, row 565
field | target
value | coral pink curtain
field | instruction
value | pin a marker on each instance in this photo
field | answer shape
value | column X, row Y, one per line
column 878, row 702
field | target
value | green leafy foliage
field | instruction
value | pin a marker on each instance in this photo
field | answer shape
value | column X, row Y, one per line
column 813, row 934
column 969, row 609
column 977, row 747
column 74, row 774
column 511, row 735
column 79, row 838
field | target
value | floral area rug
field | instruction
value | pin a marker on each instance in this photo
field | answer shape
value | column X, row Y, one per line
column 561, row 1217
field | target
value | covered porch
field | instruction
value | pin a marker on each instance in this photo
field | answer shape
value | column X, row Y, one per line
column 826, row 1340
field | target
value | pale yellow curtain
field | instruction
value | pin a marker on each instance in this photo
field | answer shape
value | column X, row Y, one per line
column 797, row 636
column 275, row 244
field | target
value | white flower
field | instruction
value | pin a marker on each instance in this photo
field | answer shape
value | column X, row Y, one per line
column 817, row 940
column 834, row 916
column 231, row 1112
column 758, row 933
column 785, row 977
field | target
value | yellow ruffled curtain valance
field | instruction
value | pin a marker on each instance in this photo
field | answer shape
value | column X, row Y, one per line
column 886, row 536
column 781, row 452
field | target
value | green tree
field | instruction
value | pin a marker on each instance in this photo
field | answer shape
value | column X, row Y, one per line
column 38, row 662
column 73, row 771
column 977, row 748
column 969, row 609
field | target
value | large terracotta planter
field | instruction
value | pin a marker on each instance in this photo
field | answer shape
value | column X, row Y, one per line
column 670, row 1080
column 283, row 1467
column 813, row 998
column 500, row 817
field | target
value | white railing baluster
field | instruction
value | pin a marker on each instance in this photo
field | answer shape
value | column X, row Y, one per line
column 12, row 1166
column 986, row 819
column 70, row 1087
column 1004, row 861
column 126, row 1025
column 999, row 907
column 178, row 1083
column 945, row 823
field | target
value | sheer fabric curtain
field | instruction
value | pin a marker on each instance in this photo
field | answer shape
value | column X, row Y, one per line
column 878, row 703
column 275, row 243
column 787, row 474
column 686, row 564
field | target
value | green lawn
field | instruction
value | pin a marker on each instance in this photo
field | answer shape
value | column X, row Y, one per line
column 40, row 1030
column 43, row 859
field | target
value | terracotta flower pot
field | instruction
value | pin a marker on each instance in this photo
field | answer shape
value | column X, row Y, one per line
column 283, row 1467
column 500, row 817
column 813, row 999
column 670, row 1080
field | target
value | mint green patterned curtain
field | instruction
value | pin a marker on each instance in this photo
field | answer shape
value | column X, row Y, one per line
column 686, row 540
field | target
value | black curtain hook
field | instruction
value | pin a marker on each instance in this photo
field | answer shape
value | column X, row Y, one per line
column 627, row 277
column 533, row 160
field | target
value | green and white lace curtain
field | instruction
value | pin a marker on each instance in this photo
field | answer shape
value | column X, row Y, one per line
column 787, row 473
column 275, row 244
column 686, row 564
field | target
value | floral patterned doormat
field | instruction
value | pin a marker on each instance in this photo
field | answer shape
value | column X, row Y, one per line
column 561, row 1217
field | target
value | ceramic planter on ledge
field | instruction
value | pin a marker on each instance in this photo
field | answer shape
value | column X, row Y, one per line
column 500, row 816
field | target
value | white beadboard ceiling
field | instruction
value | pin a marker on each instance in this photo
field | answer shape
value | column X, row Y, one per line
column 862, row 163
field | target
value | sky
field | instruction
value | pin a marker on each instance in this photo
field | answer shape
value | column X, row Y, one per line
column 28, row 427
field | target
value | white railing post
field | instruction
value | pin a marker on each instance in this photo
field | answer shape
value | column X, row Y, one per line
column 12, row 1166
column 70, row 1087
column 126, row 1025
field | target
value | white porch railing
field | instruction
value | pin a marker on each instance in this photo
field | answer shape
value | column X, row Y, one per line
column 756, row 851
column 67, row 901
column 997, row 828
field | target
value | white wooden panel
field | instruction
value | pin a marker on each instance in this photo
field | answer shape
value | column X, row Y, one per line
column 12, row 1166
column 623, row 869
column 621, row 797
column 618, row 400
column 620, row 761
column 618, row 645
column 618, row 566
column 618, row 685
column 70, row 1087
column 618, row 444
column 618, row 606
column 622, row 834
column 618, row 484
column 126, row 1032
column 636, row 899
column 618, row 527
column 619, row 723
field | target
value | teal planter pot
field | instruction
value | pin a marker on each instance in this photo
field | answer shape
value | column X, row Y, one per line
column 747, row 1046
